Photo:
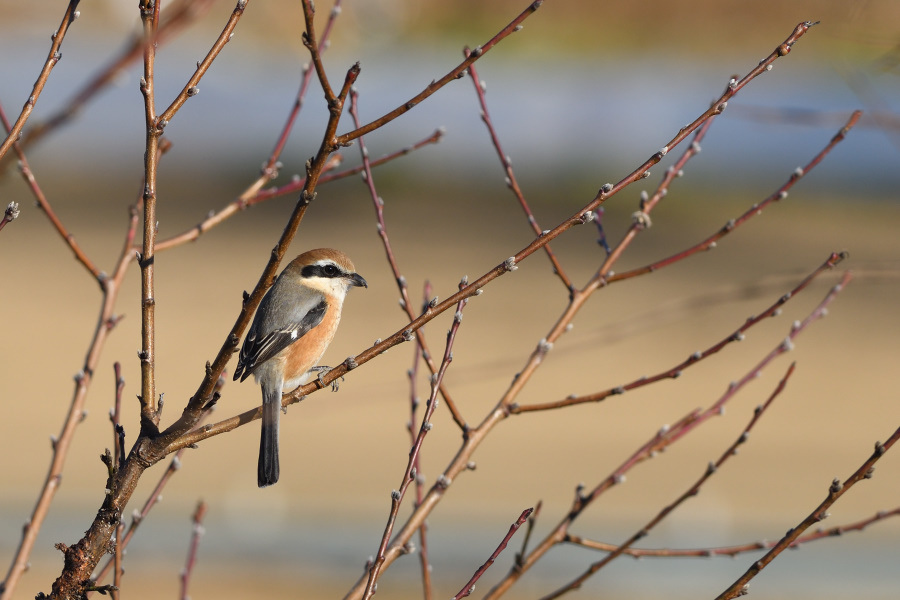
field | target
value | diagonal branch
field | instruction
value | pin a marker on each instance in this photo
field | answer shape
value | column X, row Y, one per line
column 434, row 86
column 405, row 302
column 773, row 310
column 53, row 57
column 779, row 194
column 190, row 88
column 44, row 205
column 692, row 491
column 511, row 182
column 174, row 16
column 732, row 551
column 409, row 475
column 835, row 491
column 470, row 585
column 663, row 439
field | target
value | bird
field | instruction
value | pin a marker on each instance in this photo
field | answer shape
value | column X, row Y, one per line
column 294, row 324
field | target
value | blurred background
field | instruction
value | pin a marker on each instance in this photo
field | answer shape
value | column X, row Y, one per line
column 581, row 96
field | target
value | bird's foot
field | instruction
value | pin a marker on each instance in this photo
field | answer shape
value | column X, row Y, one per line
column 323, row 369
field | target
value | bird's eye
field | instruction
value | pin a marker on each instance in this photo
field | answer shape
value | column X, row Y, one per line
column 330, row 271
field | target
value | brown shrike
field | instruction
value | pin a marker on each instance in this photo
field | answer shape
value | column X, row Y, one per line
column 293, row 326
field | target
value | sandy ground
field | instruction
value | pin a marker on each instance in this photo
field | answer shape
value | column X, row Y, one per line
column 344, row 452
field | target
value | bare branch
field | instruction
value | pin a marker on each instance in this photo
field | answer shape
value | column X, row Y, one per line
column 53, row 57
column 835, row 491
column 470, row 585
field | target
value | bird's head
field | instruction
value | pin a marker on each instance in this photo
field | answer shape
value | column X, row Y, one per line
column 327, row 270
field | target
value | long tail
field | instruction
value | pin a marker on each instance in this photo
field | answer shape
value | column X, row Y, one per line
column 267, row 471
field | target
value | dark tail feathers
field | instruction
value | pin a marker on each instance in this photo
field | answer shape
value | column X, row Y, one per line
column 268, row 469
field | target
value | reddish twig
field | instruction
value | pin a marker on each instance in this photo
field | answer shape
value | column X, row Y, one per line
column 427, row 585
column 470, row 585
column 835, row 491
column 434, row 86
column 511, row 182
column 190, row 88
column 254, row 195
column 692, row 491
column 196, row 533
column 754, row 210
column 664, row 438
column 44, row 205
column 532, row 519
column 270, row 166
column 409, row 474
column 174, row 16
column 640, row 219
column 114, row 417
column 732, row 551
column 773, row 310
column 61, row 443
column 315, row 52
column 405, row 303
column 53, row 57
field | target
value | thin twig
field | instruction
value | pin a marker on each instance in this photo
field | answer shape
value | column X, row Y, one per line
column 511, row 182
column 117, row 561
column 255, row 195
column 835, row 491
column 434, row 86
column 269, row 167
column 45, row 206
column 190, row 88
column 175, row 16
column 424, row 563
column 732, row 551
column 470, row 585
column 664, row 438
column 692, row 491
column 53, row 57
column 10, row 214
column 197, row 531
column 674, row 372
column 754, row 210
column 149, row 412
column 405, row 303
column 409, row 474
column 119, row 460
column 532, row 519
column 114, row 417
column 315, row 51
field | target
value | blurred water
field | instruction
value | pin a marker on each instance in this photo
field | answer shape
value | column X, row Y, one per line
column 569, row 114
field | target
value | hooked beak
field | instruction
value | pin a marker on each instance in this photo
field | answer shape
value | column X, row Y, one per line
column 357, row 280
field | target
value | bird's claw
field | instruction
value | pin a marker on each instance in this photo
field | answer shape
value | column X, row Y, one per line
column 321, row 370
